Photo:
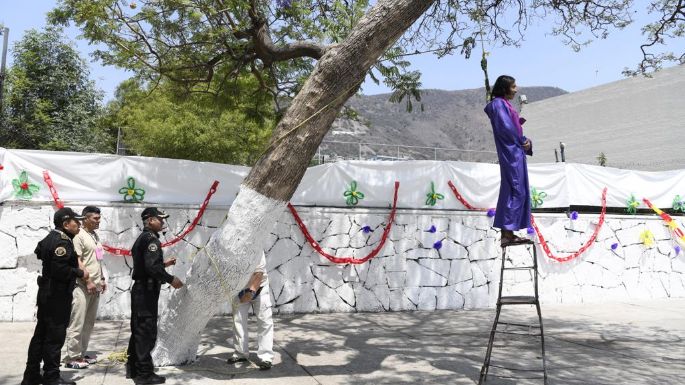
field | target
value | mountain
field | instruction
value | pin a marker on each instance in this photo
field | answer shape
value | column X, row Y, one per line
column 449, row 120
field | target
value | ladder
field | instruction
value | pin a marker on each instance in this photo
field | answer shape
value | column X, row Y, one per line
column 516, row 300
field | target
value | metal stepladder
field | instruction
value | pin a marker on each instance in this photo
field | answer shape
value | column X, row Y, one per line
column 516, row 300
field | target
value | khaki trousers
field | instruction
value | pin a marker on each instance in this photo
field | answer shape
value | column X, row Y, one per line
column 84, row 308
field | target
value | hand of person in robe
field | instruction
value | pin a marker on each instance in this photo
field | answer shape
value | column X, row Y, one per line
column 91, row 288
column 170, row 262
column 526, row 145
column 176, row 283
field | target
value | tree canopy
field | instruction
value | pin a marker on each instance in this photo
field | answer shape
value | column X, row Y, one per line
column 162, row 121
column 50, row 102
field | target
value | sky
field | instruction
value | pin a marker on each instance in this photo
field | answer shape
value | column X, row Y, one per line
column 542, row 60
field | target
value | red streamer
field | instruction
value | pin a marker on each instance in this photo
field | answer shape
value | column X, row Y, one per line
column 545, row 246
column 53, row 190
column 212, row 190
column 461, row 198
column 349, row 260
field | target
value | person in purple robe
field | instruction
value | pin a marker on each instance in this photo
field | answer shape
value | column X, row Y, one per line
column 513, row 204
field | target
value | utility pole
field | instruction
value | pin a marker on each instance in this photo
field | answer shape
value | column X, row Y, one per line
column 5, row 32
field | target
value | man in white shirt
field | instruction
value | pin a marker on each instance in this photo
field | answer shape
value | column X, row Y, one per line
column 258, row 297
column 86, row 295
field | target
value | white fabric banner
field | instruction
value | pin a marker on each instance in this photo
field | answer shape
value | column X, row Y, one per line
column 80, row 177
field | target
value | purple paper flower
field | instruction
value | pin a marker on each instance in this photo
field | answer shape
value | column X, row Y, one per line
column 530, row 231
column 614, row 246
column 574, row 215
column 677, row 249
column 491, row 213
column 437, row 245
column 367, row 229
column 432, row 229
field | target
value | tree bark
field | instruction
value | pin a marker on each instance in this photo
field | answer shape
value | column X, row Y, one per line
column 225, row 264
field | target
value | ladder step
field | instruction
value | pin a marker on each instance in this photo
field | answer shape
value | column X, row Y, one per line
column 518, row 300
column 520, row 268
column 516, row 324
column 516, row 369
column 518, row 334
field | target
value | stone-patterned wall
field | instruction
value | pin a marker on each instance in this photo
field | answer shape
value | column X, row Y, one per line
column 408, row 273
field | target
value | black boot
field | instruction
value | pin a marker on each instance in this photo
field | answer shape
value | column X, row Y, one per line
column 130, row 371
column 32, row 379
column 149, row 379
column 59, row 381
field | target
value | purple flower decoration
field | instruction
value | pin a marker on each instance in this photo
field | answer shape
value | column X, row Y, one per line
column 367, row 229
column 437, row 245
column 677, row 249
column 530, row 231
column 432, row 229
column 614, row 246
column 283, row 3
column 574, row 215
column 491, row 213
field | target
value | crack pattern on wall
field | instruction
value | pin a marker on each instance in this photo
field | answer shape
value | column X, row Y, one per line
column 408, row 273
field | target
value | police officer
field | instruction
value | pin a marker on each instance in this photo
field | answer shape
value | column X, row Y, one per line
column 55, row 287
column 148, row 276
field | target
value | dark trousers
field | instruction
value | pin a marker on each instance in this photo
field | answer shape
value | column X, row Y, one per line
column 54, row 310
column 144, row 297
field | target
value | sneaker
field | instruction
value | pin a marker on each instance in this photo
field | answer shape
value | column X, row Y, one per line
column 90, row 359
column 77, row 364
column 265, row 365
column 235, row 359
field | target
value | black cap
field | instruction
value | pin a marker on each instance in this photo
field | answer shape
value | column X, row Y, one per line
column 90, row 209
column 153, row 212
column 64, row 214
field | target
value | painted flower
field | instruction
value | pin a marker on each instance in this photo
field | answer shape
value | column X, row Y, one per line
column 432, row 229
column 536, row 197
column 131, row 193
column 614, row 246
column 632, row 204
column 573, row 215
column 647, row 238
column 352, row 196
column 437, row 245
column 679, row 204
column 491, row 212
column 367, row 229
column 530, row 231
column 432, row 197
column 677, row 249
column 23, row 188
column 283, row 3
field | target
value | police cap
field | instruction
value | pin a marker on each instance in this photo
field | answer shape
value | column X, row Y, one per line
column 64, row 214
column 153, row 212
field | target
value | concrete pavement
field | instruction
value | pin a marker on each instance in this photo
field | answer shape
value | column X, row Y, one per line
column 618, row 343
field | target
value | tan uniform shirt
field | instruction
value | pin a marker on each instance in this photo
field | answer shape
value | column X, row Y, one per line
column 88, row 246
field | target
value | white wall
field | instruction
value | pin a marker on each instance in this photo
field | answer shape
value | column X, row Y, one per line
column 408, row 274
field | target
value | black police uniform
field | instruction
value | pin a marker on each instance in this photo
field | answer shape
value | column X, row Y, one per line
column 55, row 287
column 148, row 274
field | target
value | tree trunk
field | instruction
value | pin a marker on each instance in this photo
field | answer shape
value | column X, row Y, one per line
column 225, row 264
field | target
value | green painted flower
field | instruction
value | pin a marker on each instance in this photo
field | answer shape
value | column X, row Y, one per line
column 679, row 204
column 131, row 193
column 631, row 205
column 23, row 188
column 352, row 196
column 536, row 197
column 432, row 197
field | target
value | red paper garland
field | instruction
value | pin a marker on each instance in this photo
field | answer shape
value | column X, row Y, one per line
column 461, row 199
column 127, row 252
column 349, row 260
column 582, row 249
column 53, row 190
column 541, row 238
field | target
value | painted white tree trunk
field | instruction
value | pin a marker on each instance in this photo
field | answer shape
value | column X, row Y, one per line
column 219, row 270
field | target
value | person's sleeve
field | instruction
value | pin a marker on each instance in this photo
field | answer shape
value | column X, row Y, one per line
column 61, row 269
column 504, row 126
column 154, row 265
column 78, row 245
column 261, row 268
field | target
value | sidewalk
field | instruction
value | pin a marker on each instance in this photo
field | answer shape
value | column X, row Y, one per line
column 618, row 343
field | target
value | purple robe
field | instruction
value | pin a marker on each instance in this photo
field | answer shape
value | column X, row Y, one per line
column 513, row 204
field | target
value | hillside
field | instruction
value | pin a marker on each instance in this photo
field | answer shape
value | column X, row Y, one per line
column 451, row 119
